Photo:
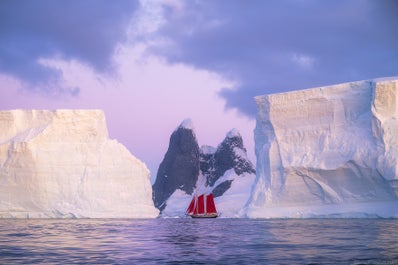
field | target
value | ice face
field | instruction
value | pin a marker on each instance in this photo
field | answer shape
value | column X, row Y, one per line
column 333, row 145
column 62, row 164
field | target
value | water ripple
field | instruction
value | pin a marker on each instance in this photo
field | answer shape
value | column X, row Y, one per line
column 193, row 241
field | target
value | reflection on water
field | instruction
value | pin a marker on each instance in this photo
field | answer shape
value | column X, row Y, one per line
column 198, row 241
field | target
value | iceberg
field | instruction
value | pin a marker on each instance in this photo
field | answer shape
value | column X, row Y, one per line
column 62, row 164
column 327, row 152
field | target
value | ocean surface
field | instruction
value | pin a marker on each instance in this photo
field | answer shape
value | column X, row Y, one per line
column 199, row 241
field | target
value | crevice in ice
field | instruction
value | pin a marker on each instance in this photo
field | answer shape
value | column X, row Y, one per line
column 29, row 134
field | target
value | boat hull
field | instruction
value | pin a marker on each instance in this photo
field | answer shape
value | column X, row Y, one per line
column 204, row 215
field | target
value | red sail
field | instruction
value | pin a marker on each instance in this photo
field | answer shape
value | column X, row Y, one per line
column 200, row 206
column 191, row 206
column 210, row 206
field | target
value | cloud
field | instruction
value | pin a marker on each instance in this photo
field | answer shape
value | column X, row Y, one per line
column 304, row 61
column 275, row 46
column 31, row 31
column 262, row 46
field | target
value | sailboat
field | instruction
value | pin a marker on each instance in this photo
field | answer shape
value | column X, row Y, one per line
column 202, row 207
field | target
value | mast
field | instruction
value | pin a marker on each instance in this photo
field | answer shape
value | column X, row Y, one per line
column 204, row 204
column 200, row 208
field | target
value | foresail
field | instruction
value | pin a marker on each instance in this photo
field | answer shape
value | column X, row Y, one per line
column 191, row 207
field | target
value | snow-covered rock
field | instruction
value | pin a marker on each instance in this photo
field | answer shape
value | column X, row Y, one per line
column 230, row 154
column 327, row 151
column 61, row 163
column 224, row 171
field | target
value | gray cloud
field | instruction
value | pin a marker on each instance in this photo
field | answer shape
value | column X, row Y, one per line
column 275, row 46
column 85, row 30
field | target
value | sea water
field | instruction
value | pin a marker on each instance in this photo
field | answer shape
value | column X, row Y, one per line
column 199, row 241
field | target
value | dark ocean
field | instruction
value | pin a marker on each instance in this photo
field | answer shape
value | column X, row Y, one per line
column 199, row 241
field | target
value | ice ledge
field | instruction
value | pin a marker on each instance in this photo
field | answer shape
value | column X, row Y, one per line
column 394, row 79
column 21, row 125
column 380, row 209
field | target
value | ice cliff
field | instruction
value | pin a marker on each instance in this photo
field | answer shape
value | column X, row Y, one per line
column 224, row 171
column 328, row 151
column 61, row 163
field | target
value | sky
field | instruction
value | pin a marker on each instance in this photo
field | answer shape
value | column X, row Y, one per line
column 151, row 64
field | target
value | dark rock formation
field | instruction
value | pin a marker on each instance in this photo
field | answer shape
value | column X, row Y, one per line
column 230, row 154
column 222, row 188
column 184, row 161
column 180, row 166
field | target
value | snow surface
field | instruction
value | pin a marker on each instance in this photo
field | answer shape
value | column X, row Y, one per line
column 233, row 133
column 328, row 151
column 56, row 164
column 187, row 124
column 207, row 149
column 233, row 202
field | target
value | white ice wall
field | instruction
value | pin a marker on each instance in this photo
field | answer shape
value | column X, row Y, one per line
column 62, row 164
column 327, row 146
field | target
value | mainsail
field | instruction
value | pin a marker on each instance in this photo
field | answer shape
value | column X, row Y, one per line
column 202, row 206
column 210, row 206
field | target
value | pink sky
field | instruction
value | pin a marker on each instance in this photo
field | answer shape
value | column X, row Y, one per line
column 144, row 101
